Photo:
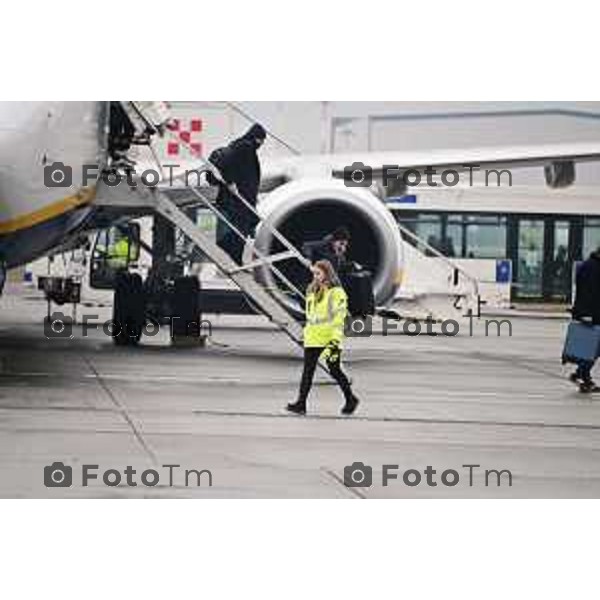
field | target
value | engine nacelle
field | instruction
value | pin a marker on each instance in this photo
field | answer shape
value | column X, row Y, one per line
column 560, row 174
column 308, row 210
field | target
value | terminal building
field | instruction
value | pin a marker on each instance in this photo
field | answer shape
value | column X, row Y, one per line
column 543, row 235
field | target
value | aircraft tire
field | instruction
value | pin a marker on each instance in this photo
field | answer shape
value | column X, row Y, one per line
column 128, row 309
column 186, row 307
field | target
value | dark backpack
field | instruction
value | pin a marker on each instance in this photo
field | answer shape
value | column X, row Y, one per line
column 221, row 159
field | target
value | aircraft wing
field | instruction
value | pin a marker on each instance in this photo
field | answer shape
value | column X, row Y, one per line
column 457, row 159
column 278, row 170
column 485, row 158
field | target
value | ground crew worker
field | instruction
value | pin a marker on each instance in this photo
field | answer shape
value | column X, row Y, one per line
column 326, row 309
column 119, row 257
column 334, row 248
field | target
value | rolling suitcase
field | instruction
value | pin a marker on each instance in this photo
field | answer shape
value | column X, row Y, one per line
column 359, row 288
column 582, row 343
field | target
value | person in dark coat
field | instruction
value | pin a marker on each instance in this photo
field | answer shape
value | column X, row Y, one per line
column 333, row 248
column 586, row 308
column 240, row 167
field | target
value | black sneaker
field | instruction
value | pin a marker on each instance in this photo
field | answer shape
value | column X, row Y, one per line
column 298, row 408
column 588, row 387
column 574, row 378
column 350, row 406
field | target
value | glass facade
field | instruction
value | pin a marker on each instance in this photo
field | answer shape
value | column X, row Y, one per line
column 542, row 248
column 427, row 226
column 530, row 255
column 591, row 236
column 460, row 236
column 560, row 269
column 485, row 237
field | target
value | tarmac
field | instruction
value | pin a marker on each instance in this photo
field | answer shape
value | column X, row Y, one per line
column 430, row 405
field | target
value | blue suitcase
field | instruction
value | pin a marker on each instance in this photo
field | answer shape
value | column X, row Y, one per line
column 582, row 343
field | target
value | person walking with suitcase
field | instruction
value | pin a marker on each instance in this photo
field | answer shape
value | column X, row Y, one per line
column 356, row 281
column 326, row 310
column 586, row 310
column 333, row 248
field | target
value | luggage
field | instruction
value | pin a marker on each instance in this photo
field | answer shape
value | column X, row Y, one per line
column 582, row 343
column 359, row 288
column 129, row 315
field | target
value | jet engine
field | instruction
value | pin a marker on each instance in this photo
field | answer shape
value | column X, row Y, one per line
column 560, row 174
column 308, row 210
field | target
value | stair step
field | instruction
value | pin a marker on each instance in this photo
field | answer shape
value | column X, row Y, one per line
column 244, row 280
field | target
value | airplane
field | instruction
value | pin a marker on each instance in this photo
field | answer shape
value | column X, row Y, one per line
column 303, row 197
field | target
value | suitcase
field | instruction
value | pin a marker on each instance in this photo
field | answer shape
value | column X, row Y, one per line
column 582, row 343
column 359, row 288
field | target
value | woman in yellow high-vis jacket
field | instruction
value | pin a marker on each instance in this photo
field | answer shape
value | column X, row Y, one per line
column 326, row 309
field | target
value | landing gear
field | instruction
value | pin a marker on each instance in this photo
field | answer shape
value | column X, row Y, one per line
column 129, row 315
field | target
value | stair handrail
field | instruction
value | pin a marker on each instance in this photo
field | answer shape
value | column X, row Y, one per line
column 438, row 254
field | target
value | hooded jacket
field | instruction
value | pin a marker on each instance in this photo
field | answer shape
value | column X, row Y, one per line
column 239, row 164
column 243, row 167
column 587, row 290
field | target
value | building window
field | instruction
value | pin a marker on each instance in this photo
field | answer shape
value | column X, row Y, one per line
column 485, row 237
column 591, row 236
column 455, row 242
column 427, row 227
column 458, row 235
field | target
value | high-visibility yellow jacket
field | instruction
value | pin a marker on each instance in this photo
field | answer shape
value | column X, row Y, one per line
column 121, row 249
column 120, row 254
column 325, row 318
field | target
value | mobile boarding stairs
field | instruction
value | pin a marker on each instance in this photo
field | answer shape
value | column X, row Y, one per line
column 172, row 200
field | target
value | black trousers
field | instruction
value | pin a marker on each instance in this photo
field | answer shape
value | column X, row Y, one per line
column 227, row 239
column 584, row 370
column 311, row 359
column 230, row 242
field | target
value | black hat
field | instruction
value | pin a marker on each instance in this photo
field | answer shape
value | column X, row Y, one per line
column 256, row 132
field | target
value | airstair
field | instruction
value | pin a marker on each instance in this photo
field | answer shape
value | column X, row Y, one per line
column 448, row 292
column 170, row 202
column 434, row 285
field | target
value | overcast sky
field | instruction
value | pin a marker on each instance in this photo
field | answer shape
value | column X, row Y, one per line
column 319, row 126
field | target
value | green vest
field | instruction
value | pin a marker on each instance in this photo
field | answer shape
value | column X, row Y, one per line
column 325, row 318
column 120, row 254
column 121, row 249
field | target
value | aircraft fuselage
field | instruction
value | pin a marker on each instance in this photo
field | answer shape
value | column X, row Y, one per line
column 39, row 143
